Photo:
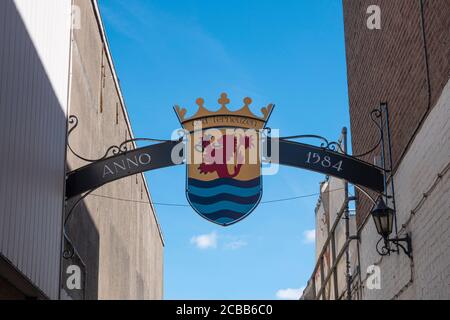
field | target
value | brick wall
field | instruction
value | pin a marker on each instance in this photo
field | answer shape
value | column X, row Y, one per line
column 389, row 65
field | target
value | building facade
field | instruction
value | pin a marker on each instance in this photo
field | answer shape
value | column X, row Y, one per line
column 115, row 231
column 34, row 62
column 55, row 62
column 331, row 242
column 406, row 64
column 336, row 253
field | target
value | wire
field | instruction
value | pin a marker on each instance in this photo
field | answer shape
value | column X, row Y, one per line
column 425, row 196
column 187, row 205
column 140, row 201
column 298, row 197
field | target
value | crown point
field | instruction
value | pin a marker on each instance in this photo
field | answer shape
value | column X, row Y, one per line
column 248, row 101
column 181, row 112
column 224, row 99
column 200, row 102
column 266, row 111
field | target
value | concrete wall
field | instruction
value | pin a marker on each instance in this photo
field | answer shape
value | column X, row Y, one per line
column 116, row 231
column 328, row 206
column 322, row 215
column 322, row 227
column 34, row 67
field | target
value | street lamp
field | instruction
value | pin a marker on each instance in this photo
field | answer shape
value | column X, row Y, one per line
column 383, row 217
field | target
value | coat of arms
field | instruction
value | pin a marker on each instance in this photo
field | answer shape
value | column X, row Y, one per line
column 224, row 183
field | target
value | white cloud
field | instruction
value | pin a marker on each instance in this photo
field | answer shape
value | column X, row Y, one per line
column 290, row 294
column 205, row 241
column 234, row 245
column 309, row 236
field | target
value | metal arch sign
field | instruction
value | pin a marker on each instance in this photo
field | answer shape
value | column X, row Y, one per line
column 119, row 166
column 223, row 152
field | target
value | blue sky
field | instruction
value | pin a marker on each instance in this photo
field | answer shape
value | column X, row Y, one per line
column 290, row 53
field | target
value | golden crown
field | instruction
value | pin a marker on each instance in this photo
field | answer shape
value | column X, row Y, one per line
column 242, row 118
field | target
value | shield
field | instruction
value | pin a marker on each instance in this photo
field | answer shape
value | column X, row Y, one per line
column 224, row 183
column 227, row 185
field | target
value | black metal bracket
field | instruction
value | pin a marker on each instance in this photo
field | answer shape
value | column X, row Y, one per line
column 380, row 117
column 404, row 243
column 70, row 206
column 112, row 150
column 69, row 249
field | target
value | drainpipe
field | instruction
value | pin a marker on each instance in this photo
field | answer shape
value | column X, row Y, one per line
column 347, row 223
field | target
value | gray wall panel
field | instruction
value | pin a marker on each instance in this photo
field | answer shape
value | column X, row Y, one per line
column 34, row 61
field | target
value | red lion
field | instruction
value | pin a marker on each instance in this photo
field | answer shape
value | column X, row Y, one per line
column 220, row 165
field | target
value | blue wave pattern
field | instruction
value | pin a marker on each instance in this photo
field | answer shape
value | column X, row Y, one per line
column 225, row 200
